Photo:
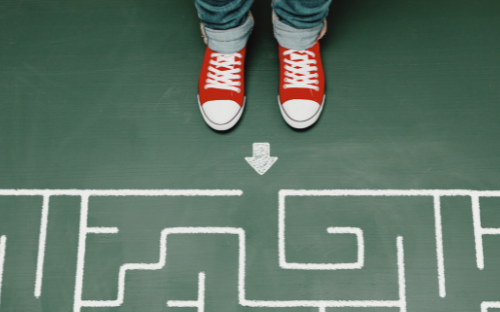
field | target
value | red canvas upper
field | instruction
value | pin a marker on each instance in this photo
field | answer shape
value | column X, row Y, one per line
column 301, row 93
column 215, row 93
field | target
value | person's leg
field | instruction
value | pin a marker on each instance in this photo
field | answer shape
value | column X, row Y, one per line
column 298, row 24
column 226, row 24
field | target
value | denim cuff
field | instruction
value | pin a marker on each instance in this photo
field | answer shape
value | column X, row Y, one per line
column 297, row 39
column 228, row 40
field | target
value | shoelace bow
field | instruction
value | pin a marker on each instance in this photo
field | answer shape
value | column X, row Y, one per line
column 222, row 73
column 298, row 70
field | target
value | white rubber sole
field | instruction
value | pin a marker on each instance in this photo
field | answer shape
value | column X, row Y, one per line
column 301, row 124
column 226, row 126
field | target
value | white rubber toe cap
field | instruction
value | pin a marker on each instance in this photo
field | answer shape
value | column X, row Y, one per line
column 301, row 114
column 301, row 110
column 221, row 114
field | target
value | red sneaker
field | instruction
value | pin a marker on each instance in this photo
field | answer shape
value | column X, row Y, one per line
column 221, row 89
column 302, row 86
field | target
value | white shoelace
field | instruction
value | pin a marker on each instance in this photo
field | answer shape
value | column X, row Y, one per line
column 222, row 73
column 298, row 70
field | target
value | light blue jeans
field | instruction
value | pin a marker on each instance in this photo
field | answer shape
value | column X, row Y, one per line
column 227, row 24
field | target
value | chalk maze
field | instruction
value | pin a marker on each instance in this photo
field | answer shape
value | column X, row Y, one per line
column 199, row 303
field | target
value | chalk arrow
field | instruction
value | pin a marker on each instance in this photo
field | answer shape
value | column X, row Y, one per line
column 261, row 161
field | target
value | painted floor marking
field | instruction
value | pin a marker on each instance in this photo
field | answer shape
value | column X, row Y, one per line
column 3, row 245
column 436, row 194
column 198, row 303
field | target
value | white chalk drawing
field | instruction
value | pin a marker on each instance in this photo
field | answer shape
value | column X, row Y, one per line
column 84, row 194
column 400, row 303
column 361, row 246
column 198, row 303
column 3, row 245
column 102, row 230
column 261, row 160
column 331, row 230
column 41, row 246
column 79, row 303
column 485, row 305
column 436, row 194
column 479, row 231
column 438, row 232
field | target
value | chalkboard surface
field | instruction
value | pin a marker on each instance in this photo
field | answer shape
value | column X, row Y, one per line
column 115, row 195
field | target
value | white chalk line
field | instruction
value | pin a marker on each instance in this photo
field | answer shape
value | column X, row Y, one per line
column 125, row 192
column 201, row 291
column 80, row 263
column 3, row 245
column 485, row 305
column 102, row 230
column 439, row 246
column 215, row 192
column 42, row 239
column 401, row 303
column 401, row 273
column 478, row 238
column 198, row 303
column 490, row 231
column 361, row 247
column 367, row 192
column 479, row 231
column 183, row 303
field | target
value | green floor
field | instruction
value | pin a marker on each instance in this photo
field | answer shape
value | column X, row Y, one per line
column 102, row 95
